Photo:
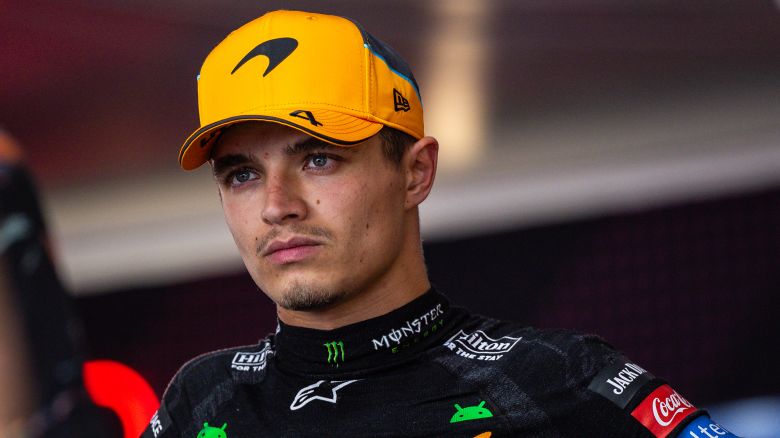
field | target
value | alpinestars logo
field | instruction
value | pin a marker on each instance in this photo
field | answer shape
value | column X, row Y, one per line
column 251, row 361
column 323, row 390
column 480, row 346
column 401, row 104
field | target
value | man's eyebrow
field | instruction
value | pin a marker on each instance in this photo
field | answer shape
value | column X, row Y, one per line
column 225, row 162
column 308, row 145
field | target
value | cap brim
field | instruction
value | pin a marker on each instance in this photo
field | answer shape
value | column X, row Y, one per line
column 330, row 126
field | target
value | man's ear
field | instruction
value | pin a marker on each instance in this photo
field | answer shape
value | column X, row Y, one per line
column 420, row 166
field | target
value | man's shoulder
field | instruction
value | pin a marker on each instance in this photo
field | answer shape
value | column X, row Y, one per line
column 205, row 371
column 520, row 347
column 552, row 373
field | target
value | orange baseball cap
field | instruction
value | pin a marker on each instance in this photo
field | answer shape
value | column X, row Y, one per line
column 321, row 74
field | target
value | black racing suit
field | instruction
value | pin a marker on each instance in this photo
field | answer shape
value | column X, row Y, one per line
column 426, row 369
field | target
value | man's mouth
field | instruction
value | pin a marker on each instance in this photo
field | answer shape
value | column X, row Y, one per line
column 290, row 251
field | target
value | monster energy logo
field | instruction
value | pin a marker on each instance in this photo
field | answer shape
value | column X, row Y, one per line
column 335, row 352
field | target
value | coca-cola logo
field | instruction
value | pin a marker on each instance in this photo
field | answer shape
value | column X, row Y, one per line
column 662, row 410
column 667, row 409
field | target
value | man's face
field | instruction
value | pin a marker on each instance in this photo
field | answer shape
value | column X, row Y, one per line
column 315, row 224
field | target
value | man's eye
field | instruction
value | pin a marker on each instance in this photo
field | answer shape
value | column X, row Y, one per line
column 318, row 160
column 241, row 176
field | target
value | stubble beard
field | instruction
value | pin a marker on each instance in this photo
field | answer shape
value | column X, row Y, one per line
column 304, row 297
column 300, row 296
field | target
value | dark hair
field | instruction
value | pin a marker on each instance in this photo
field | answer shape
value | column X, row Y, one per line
column 395, row 143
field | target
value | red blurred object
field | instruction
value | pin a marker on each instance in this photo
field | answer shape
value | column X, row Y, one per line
column 120, row 388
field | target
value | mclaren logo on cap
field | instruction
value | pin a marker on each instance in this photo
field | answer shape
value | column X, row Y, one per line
column 277, row 50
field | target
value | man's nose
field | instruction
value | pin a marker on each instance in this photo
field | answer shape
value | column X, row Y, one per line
column 283, row 202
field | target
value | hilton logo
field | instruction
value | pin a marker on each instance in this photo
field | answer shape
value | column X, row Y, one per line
column 480, row 346
column 251, row 361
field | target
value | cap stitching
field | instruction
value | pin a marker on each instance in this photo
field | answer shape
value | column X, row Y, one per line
column 368, row 83
column 287, row 105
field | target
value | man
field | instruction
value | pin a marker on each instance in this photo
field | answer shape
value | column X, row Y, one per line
column 41, row 344
column 314, row 131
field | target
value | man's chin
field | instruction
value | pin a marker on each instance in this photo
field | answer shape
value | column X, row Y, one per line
column 304, row 298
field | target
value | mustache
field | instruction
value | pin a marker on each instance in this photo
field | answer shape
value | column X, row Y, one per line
column 298, row 230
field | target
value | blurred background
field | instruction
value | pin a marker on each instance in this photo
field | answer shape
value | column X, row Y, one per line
column 607, row 166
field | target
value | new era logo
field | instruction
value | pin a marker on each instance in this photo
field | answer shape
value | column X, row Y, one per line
column 401, row 104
